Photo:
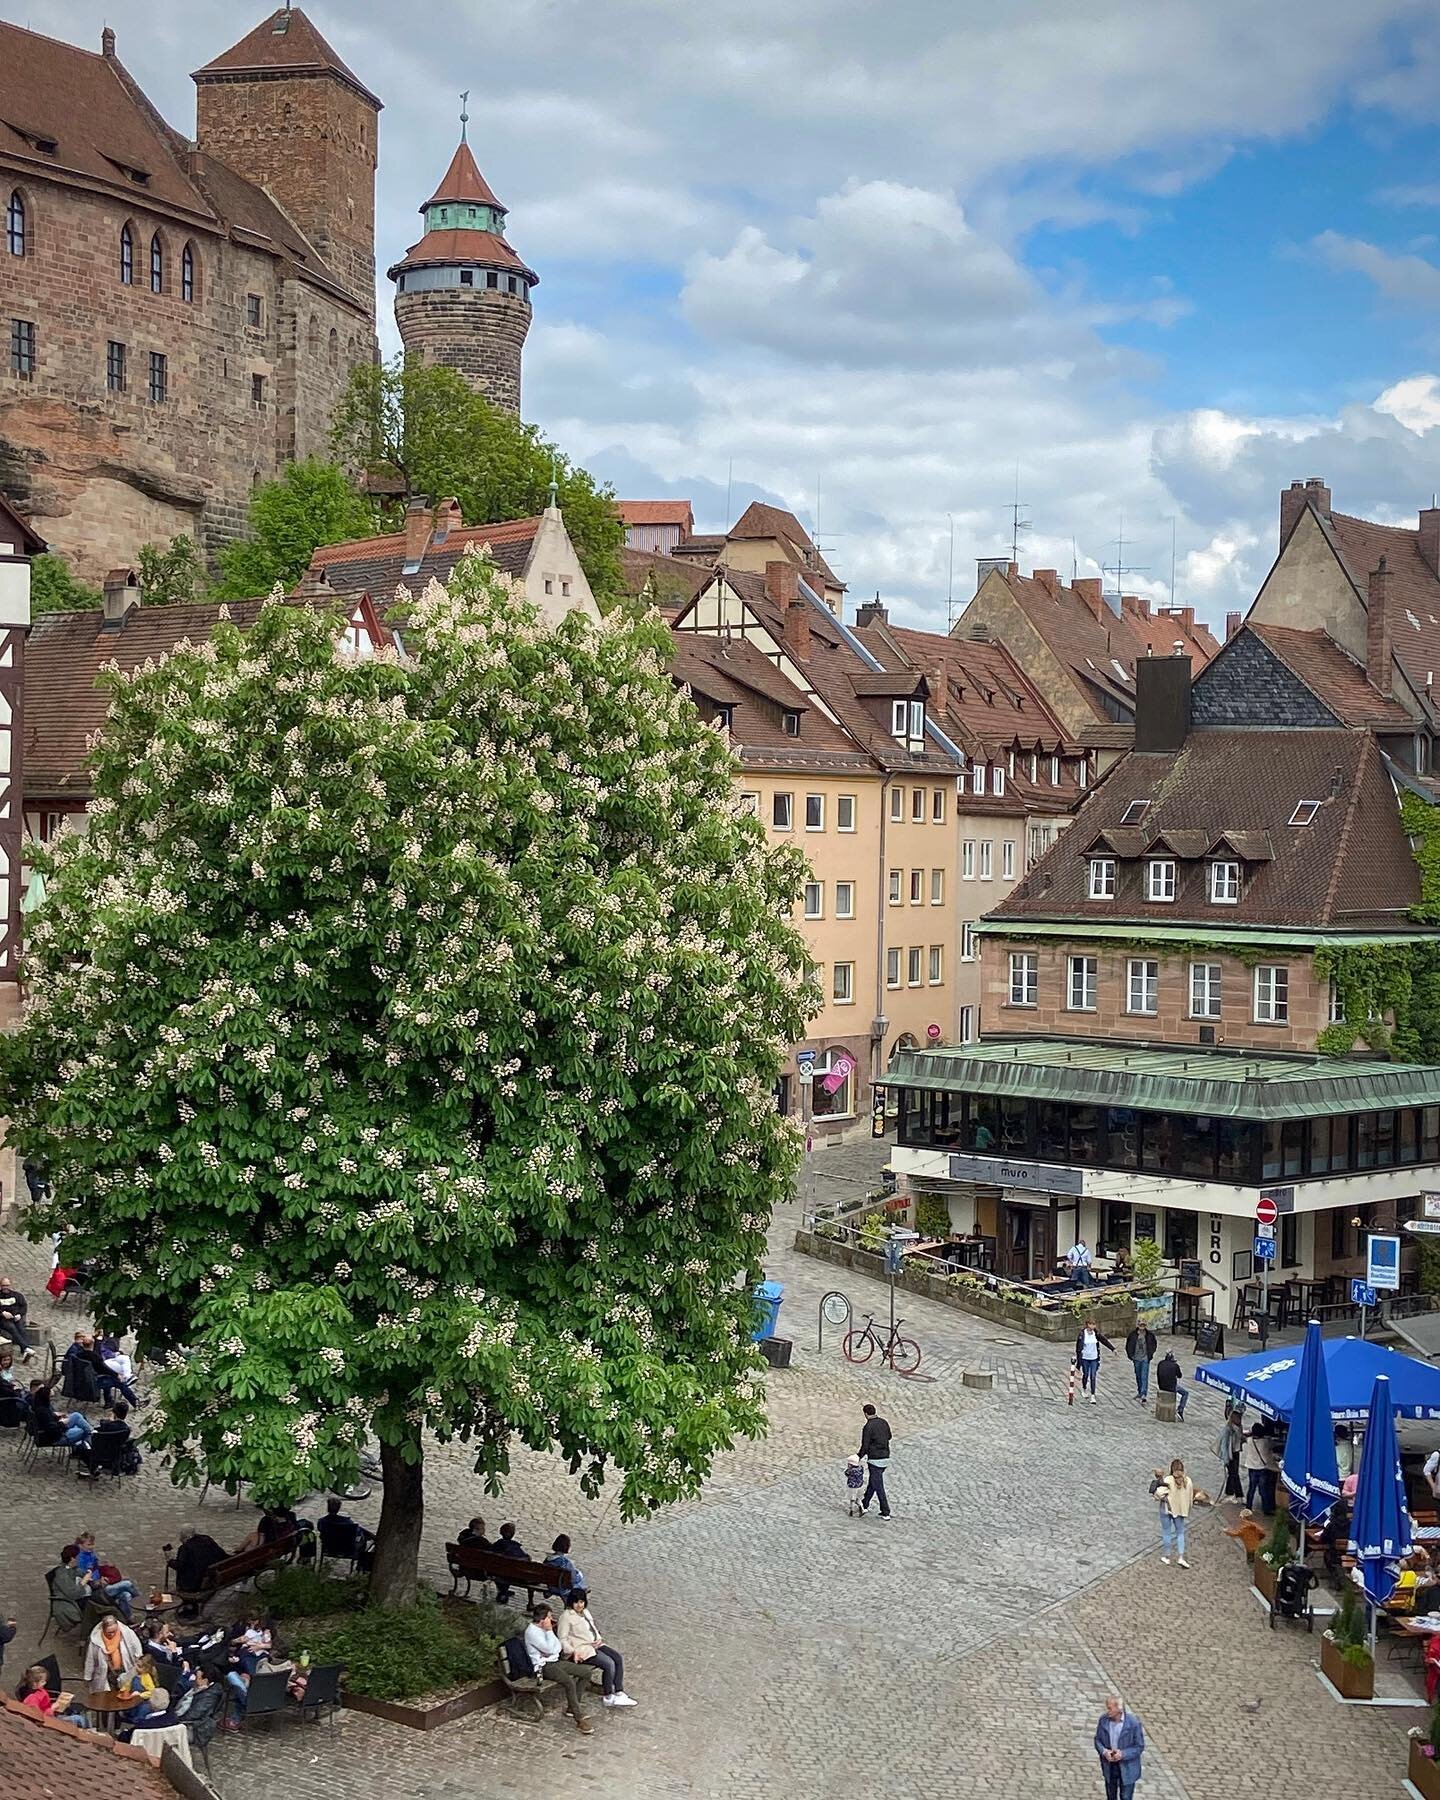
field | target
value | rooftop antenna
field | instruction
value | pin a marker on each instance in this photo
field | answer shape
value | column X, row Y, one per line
column 464, row 108
column 1017, row 524
column 1172, row 559
column 950, row 579
column 1074, row 562
column 1120, row 568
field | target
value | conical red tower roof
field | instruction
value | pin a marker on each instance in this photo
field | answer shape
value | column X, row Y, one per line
column 462, row 181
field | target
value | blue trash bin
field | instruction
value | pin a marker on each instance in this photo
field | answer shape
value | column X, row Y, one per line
column 768, row 1295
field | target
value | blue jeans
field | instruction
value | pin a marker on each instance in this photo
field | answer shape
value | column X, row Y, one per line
column 1142, row 1376
column 122, row 1593
column 875, row 1489
column 1083, row 1277
column 77, row 1429
column 1171, row 1528
column 1089, row 1373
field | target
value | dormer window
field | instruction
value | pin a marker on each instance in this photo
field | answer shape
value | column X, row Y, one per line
column 1135, row 812
column 978, row 775
column 1160, row 879
column 917, row 720
column 725, row 717
column 1054, row 771
column 1304, row 813
column 899, row 717
column 790, row 723
column 1034, row 765
column 1082, row 773
column 1102, row 878
column 1224, row 883
column 997, row 780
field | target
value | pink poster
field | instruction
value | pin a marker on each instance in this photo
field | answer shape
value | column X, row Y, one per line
column 844, row 1067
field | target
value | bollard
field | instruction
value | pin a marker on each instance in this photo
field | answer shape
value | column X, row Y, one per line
column 984, row 1379
column 1164, row 1409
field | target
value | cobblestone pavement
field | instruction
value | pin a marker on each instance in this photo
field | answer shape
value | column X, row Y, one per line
column 775, row 1644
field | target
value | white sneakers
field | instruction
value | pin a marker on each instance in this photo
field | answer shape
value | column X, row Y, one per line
column 1092, row 1400
column 1182, row 1562
column 1166, row 1561
column 621, row 1699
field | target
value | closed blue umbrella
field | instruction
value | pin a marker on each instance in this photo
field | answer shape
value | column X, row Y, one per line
column 1380, row 1524
column 1310, row 1470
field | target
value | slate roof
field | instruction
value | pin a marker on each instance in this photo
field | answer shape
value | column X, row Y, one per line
column 759, row 521
column 376, row 565
column 1348, row 870
column 1336, row 679
column 48, row 1759
column 286, row 43
column 443, row 248
column 463, row 181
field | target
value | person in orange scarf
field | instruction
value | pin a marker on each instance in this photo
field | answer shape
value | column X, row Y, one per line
column 112, row 1655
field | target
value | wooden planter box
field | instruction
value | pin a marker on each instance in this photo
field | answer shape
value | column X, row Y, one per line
column 1263, row 1576
column 1349, row 1682
column 1423, row 1771
column 420, row 1716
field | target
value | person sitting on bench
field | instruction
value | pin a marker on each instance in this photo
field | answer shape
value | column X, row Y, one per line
column 507, row 1544
column 194, row 1559
column 341, row 1537
column 548, row 1661
column 474, row 1535
column 559, row 1560
column 13, row 1321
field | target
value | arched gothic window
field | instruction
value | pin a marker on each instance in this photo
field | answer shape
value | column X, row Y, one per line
column 187, row 272
column 15, row 223
column 127, row 255
column 157, row 265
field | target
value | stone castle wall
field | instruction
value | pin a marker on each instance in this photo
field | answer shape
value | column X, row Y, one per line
column 479, row 331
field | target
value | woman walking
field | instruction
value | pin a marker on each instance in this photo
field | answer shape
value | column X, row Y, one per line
column 1088, row 1340
column 1176, row 1494
column 1228, row 1446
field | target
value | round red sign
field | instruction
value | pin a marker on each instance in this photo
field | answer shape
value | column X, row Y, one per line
column 1266, row 1211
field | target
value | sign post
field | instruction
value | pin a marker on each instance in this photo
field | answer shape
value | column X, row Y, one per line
column 805, row 1067
column 1266, row 1213
column 1382, row 1267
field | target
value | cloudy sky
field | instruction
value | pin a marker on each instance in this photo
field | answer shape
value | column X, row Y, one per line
column 1163, row 258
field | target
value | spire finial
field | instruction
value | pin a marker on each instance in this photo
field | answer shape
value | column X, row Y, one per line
column 464, row 113
column 554, row 487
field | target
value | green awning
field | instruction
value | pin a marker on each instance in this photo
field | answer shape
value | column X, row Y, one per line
column 1214, row 1083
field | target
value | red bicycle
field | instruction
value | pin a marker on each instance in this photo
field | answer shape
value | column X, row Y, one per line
column 902, row 1353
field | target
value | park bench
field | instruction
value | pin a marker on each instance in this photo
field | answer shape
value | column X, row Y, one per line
column 468, row 1562
column 246, row 1565
column 528, row 1690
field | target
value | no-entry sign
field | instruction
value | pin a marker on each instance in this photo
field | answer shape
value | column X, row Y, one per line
column 1266, row 1211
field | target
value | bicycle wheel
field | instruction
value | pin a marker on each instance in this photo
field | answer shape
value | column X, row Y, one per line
column 904, row 1356
column 859, row 1346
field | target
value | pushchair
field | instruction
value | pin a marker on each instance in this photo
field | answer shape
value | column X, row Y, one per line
column 1292, row 1595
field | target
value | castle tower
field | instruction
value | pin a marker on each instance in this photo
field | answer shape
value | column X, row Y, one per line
column 462, row 295
column 282, row 109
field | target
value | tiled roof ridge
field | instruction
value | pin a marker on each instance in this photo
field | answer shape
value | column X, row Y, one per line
column 301, row 49
column 386, row 543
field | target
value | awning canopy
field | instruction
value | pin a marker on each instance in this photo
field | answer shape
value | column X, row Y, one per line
column 1267, row 1380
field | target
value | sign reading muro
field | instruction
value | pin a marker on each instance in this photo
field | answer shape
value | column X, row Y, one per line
column 998, row 1171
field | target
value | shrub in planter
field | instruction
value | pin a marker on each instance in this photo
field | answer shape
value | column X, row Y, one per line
column 301, row 1592
column 402, row 1653
column 1345, row 1650
column 932, row 1216
column 1423, row 1771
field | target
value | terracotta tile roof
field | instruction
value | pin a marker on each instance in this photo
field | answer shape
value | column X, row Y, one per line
column 446, row 247
column 656, row 512
column 284, row 44
column 739, row 675
column 1414, row 587
column 47, row 1759
column 248, row 209
column 377, row 565
column 759, row 522
column 1332, row 675
column 18, row 532
column 1347, row 870
column 463, row 181
column 1099, row 651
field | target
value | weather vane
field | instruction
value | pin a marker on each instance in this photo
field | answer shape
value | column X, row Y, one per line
column 464, row 114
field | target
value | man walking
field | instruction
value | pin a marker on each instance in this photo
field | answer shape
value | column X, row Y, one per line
column 1140, row 1347
column 875, row 1448
column 1167, row 1379
column 1119, row 1742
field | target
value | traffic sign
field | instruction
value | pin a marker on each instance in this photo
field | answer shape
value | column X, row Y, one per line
column 1425, row 1227
column 1264, row 1250
column 1266, row 1211
column 805, row 1061
column 1360, row 1294
column 1382, row 1261
column 1265, row 1231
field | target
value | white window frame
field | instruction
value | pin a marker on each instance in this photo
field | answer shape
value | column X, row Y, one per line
column 1024, row 978
column 899, row 718
column 897, row 884
column 750, row 803
column 917, row 887
column 789, row 800
column 937, row 806
column 1082, row 772
column 1102, row 878
column 1054, row 771
column 997, row 780
column 892, row 968
column 845, row 981
column 897, row 805
column 1225, row 883
column 1007, row 860
column 1272, row 994
column 1082, row 977
column 817, row 802
column 1304, row 813
column 935, row 968
column 1206, row 984
column 937, row 887
column 967, row 941
column 987, row 859
column 844, row 809
column 914, row 966
column 1134, row 812
column 1334, row 1011
column 1144, row 985
column 917, row 721
column 844, row 899
column 967, row 1024
column 1162, row 878
column 978, row 775
column 967, row 860
column 917, row 806
column 813, row 900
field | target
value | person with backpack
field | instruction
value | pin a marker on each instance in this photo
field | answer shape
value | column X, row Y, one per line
column 1140, row 1346
column 875, row 1448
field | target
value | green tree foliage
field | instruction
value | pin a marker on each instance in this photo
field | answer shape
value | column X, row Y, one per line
column 54, row 589
column 401, row 1047
column 310, row 504
column 421, row 427
column 173, row 576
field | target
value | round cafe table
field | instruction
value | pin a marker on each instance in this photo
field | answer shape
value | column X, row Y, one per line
column 106, row 1706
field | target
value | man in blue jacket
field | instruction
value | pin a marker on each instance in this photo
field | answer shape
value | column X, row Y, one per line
column 1119, row 1742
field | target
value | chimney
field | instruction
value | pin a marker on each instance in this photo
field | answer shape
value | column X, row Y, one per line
column 1233, row 622
column 1295, row 498
column 122, row 596
column 447, row 518
column 107, row 43
column 1162, row 702
column 417, row 531
column 782, row 583
column 795, row 634
column 1430, row 538
column 871, row 613
column 1049, row 579
column 939, row 684
column 1088, row 587
column 1379, row 659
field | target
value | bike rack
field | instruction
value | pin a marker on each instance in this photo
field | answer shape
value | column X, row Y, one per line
column 847, row 1321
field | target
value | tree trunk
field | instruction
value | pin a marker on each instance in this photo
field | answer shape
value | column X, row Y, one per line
column 402, row 1515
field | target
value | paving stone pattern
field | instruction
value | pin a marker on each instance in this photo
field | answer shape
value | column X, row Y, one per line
column 776, row 1645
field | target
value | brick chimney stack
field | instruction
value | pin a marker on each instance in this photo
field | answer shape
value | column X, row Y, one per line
column 796, row 633
column 1430, row 538
column 1233, row 622
column 1091, row 591
column 107, row 44
column 1294, row 499
column 417, row 529
column 871, row 613
column 1049, row 579
column 447, row 517
column 1379, row 648
column 782, row 583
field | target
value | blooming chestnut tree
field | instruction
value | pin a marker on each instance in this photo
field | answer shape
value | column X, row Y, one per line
column 401, row 1046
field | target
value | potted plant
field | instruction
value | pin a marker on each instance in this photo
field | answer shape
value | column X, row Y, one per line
column 1345, row 1658
column 1424, row 1769
column 1152, row 1303
column 1271, row 1559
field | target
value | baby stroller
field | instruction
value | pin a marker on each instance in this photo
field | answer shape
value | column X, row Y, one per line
column 1292, row 1595
column 854, row 1481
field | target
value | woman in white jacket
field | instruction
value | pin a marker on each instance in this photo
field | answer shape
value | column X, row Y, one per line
column 580, row 1638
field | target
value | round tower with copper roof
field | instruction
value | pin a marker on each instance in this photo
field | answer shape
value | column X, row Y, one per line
column 462, row 295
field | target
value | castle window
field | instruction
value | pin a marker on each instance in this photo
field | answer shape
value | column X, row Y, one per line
column 257, row 390
column 467, row 278
column 158, row 377
column 187, row 273
column 514, row 285
column 127, row 255
column 254, row 311
column 22, row 348
column 115, row 367
column 492, row 280
column 334, row 346
column 15, row 223
column 157, row 265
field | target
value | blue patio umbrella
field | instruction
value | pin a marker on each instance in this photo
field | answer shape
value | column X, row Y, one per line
column 1310, row 1470
column 1266, row 1379
column 1380, row 1523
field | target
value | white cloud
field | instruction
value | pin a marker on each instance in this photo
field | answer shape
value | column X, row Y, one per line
column 1408, row 280
column 1415, row 402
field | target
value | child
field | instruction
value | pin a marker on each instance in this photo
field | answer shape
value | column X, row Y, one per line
column 854, row 1481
